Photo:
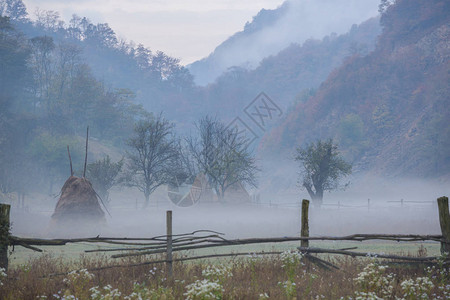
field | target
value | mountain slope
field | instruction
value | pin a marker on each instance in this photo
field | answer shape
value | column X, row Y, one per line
column 292, row 74
column 271, row 31
column 389, row 110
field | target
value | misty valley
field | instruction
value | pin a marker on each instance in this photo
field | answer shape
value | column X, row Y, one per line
column 306, row 157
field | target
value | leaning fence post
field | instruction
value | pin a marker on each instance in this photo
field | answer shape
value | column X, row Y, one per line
column 4, row 234
column 305, row 226
column 169, row 242
column 444, row 220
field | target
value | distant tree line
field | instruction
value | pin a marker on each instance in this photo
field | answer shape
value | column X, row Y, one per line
column 49, row 94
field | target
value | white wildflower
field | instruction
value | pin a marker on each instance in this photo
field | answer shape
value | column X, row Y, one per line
column 204, row 289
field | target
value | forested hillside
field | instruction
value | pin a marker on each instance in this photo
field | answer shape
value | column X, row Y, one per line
column 293, row 74
column 48, row 97
column 155, row 79
column 389, row 110
column 56, row 79
column 272, row 30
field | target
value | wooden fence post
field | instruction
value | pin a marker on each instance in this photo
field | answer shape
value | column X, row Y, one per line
column 444, row 220
column 169, row 243
column 4, row 234
column 305, row 226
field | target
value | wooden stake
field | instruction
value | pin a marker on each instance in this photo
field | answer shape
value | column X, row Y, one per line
column 169, row 243
column 444, row 220
column 85, row 157
column 70, row 160
column 305, row 225
column 4, row 234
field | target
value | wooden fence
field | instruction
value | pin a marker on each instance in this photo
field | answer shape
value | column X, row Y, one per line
column 201, row 239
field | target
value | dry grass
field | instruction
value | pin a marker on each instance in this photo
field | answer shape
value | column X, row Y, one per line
column 250, row 278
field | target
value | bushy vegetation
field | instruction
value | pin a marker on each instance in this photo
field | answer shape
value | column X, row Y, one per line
column 286, row 276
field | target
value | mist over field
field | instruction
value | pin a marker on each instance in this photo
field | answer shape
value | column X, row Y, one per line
column 276, row 215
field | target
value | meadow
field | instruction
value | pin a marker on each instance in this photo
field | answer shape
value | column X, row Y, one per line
column 67, row 272
column 289, row 275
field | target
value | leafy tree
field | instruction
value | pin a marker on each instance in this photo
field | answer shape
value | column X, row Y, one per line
column 67, row 61
column 15, row 128
column 163, row 65
column 19, row 172
column 14, row 9
column 49, row 20
column 50, row 151
column 322, row 168
column 43, row 69
column 153, row 155
column 103, row 174
column 223, row 156
column 13, row 65
column 101, row 34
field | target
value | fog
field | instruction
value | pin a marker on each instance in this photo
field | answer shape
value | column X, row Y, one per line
column 276, row 214
column 298, row 21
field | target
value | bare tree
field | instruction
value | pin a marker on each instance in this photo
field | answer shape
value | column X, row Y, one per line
column 153, row 156
column 223, row 156
column 322, row 169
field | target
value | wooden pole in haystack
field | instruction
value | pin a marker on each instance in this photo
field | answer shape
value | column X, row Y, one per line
column 85, row 156
column 169, row 243
column 70, row 160
column 4, row 234
column 444, row 221
column 305, row 225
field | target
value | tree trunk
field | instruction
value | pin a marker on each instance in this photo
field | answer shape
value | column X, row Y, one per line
column 220, row 195
column 316, row 197
column 4, row 234
column 147, row 199
column 318, row 200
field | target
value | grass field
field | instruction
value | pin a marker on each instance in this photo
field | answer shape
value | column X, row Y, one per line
column 22, row 255
column 290, row 276
column 55, row 274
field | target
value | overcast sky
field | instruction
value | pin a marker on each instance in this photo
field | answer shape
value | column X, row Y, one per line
column 186, row 29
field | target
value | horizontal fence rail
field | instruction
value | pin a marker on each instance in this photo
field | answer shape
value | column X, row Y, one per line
column 200, row 239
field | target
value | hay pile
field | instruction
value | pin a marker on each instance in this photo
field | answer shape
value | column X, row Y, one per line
column 78, row 202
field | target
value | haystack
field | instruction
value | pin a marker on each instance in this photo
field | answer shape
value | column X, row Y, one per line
column 78, row 202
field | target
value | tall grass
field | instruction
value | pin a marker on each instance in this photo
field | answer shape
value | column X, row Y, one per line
column 287, row 276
